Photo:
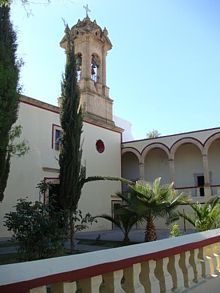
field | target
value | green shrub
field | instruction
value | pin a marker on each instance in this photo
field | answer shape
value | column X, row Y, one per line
column 175, row 231
column 205, row 216
column 39, row 229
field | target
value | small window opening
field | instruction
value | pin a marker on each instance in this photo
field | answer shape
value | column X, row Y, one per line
column 78, row 66
column 201, row 183
column 58, row 136
column 94, row 67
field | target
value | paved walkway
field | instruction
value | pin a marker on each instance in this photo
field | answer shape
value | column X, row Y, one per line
column 136, row 235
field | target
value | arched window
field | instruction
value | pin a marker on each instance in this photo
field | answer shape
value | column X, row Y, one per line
column 78, row 65
column 95, row 63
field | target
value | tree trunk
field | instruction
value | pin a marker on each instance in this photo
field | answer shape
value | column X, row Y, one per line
column 150, row 233
column 72, row 229
column 9, row 88
column 126, row 238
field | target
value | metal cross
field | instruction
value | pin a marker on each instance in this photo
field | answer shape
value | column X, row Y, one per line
column 87, row 9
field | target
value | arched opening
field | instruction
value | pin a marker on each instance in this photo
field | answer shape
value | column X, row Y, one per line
column 78, row 66
column 214, row 164
column 95, row 66
column 130, row 167
column 189, row 168
column 156, row 165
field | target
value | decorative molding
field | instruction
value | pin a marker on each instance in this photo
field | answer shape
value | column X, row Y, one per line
column 155, row 145
column 131, row 150
column 212, row 138
column 39, row 104
column 55, row 109
column 181, row 141
column 175, row 134
column 51, row 170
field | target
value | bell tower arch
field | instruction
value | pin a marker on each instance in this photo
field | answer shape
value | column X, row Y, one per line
column 91, row 47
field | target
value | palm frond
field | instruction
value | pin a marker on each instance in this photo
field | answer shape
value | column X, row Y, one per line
column 109, row 218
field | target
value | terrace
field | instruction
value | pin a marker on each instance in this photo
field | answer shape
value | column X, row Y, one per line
column 188, row 263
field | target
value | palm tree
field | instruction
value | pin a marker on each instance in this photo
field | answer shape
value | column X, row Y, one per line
column 204, row 217
column 124, row 218
column 155, row 200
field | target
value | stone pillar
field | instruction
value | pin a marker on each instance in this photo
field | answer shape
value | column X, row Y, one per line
column 172, row 169
column 141, row 170
column 206, row 175
column 103, row 67
column 86, row 61
column 104, row 87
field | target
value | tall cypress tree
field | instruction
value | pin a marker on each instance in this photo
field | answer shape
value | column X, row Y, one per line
column 9, row 92
column 71, row 171
column 71, row 123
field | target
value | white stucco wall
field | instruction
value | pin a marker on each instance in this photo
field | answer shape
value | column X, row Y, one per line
column 156, row 165
column 27, row 172
column 130, row 166
column 169, row 140
column 96, row 196
column 214, row 161
column 188, row 162
column 184, row 162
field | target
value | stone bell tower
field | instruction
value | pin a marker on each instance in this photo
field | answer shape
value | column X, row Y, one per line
column 91, row 47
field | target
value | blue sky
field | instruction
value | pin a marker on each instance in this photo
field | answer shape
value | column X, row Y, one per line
column 163, row 70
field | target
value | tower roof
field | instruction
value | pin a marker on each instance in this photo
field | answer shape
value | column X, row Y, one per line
column 86, row 26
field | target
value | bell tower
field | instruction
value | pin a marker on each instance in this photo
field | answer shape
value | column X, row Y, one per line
column 91, row 47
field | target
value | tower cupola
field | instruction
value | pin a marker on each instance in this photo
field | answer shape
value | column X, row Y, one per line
column 91, row 46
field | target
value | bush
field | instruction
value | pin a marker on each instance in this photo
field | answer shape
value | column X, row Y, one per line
column 39, row 229
column 175, row 231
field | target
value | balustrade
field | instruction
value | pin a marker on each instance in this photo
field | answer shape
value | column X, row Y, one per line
column 181, row 264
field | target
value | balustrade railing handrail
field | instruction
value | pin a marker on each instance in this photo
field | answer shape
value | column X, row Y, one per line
column 186, row 187
column 21, row 277
column 197, row 186
column 215, row 185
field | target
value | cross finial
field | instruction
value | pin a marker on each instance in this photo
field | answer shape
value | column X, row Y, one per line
column 87, row 9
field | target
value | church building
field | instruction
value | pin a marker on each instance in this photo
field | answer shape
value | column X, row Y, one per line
column 190, row 160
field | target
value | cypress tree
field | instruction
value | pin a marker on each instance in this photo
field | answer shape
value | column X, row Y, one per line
column 9, row 91
column 71, row 171
column 71, row 123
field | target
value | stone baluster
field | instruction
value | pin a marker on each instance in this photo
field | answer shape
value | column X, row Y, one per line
column 65, row 287
column 112, row 282
column 155, row 285
column 216, row 253
column 213, row 262
column 171, row 267
column 189, row 269
column 199, row 263
column 42, row 289
column 196, row 264
column 90, row 285
column 132, row 282
column 160, row 275
column 145, row 277
column 179, row 272
column 168, row 278
column 182, row 264
column 207, row 257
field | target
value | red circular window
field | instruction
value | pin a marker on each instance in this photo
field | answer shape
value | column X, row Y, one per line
column 100, row 146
